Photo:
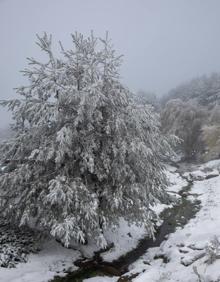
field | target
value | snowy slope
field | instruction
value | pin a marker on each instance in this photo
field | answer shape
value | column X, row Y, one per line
column 186, row 248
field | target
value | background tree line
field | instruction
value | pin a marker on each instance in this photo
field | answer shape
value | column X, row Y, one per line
column 191, row 111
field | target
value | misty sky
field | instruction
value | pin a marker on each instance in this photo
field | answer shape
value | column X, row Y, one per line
column 164, row 42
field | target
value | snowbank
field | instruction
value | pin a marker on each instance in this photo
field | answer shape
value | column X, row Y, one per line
column 185, row 250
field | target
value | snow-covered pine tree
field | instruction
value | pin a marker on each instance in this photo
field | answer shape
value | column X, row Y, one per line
column 83, row 154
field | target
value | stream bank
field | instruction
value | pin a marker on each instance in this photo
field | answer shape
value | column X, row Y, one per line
column 173, row 217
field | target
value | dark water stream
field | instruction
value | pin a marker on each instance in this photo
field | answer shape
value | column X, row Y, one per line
column 178, row 215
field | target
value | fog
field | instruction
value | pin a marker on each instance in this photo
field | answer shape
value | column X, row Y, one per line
column 164, row 43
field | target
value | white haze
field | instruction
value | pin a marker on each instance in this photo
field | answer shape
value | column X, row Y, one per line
column 164, row 42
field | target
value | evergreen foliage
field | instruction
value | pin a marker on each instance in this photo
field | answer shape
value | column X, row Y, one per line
column 83, row 153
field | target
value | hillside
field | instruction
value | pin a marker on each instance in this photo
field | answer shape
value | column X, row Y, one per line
column 192, row 112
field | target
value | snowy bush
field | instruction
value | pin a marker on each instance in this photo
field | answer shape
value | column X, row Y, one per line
column 185, row 119
column 213, row 250
column 83, row 154
column 192, row 112
column 16, row 244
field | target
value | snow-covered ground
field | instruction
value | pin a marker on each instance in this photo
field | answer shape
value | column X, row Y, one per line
column 190, row 249
column 183, row 250
column 42, row 267
column 187, row 254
